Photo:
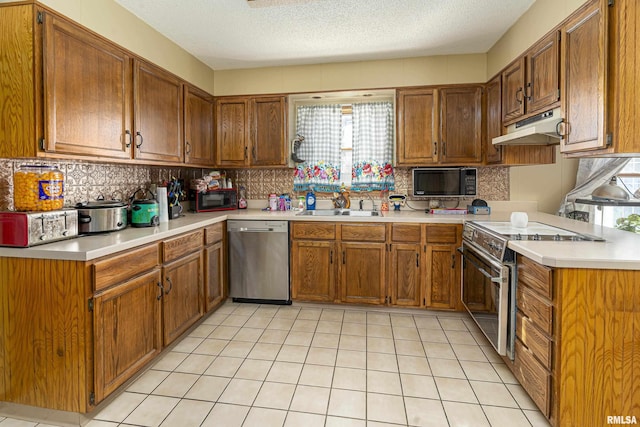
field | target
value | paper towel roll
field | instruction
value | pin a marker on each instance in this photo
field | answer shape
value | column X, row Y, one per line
column 163, row 204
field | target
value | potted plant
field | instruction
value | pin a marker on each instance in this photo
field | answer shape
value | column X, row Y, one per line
column 630, row 223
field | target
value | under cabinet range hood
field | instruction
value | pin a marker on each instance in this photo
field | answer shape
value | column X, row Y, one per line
column 541, row 129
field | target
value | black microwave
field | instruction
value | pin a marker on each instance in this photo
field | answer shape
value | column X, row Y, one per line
column 444, row 182
column 213, row 200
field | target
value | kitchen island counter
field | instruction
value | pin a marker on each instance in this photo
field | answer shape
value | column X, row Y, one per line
column 618, row 251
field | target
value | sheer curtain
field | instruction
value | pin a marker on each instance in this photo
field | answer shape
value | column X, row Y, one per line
column 321, row 127
column 372, row 146
column 592, row 173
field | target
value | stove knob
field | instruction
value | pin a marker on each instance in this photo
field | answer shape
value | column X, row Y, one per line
column 537, row 237
column 518, row 236
column 557, row 237
column 576, row 238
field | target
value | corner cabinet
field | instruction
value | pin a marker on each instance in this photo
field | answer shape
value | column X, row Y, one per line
column 199, row 129
column 251, row 131
column 439, row 126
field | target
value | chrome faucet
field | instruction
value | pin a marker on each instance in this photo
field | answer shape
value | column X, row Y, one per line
column 373, row 204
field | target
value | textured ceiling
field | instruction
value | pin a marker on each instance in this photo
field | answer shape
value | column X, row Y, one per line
column 229, row 34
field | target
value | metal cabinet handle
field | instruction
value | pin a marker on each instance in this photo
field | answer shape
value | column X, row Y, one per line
column 129, row 138
column 562, row 128
column 453, row 260
column 246, row 155
column 170, row 285
column 344, row 257
column 159, row 297
column 330, row 257
column 417, row 259
column 188, row 148
column 435, row 148
column 138, row 134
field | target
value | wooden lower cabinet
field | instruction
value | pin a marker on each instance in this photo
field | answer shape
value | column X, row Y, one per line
column 442, row 288
column 181, row 307
column 313, row 270
column 363, row 273
column 215, row 266
column 405, row 279
column 127, row 331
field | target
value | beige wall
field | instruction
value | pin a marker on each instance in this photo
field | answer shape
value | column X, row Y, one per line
column 109, row 19
column 353, row 75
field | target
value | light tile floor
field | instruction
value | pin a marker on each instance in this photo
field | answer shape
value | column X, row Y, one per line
column 324, row 365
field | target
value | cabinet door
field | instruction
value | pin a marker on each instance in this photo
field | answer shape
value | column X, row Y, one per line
column 87, row 86
column 543, row 74
column 493, row 99
column 442, row 278
column 513, row 91
column 126, row 331
column 313, row 270
column 583, row 80
column 268, row 131
column 405, row 282
column 214, row 275
column 461, row 125
column 158, row 114
column 181, row 307
column 363, row 275
column 417, row 127
column 199, row 146
column 232, row 131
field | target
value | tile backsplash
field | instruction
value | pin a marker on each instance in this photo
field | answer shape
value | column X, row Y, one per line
column 86, row 181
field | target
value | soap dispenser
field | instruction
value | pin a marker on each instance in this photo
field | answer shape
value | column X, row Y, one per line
column 311, row 200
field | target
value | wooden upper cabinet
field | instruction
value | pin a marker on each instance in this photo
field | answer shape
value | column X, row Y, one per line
column 158, row 114
column 417, row 127
column 461, row 125
column 232, row 116
column 199, row 145
column 513, row 80
column 268, row 131
column 87, row 86
column 543, row 74
column 583, row 76
column 493, row 119
column 531, row 84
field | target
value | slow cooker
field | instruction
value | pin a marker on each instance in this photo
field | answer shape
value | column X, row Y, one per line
column 101, row 216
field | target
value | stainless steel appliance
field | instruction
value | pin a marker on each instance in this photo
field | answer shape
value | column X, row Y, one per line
column 23, row 229
column 101, row 216
column 489, row 274
column 221, row 199
column 259, row 261
column 444, row 182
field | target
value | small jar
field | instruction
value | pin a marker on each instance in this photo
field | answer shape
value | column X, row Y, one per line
column 38, row 188
column 273, row 202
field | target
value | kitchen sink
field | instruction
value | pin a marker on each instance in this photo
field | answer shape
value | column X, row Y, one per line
column 339, row 212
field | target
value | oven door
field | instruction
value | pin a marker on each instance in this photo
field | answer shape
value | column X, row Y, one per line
column 485, row 295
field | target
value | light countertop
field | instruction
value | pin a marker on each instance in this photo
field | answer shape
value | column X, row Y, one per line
column 621, row 249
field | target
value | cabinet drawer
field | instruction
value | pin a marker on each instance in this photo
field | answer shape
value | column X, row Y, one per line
column 214, row 233
column 409, row 233
column 536, row 276
column 533, row 377
column 182, row 245
column 443, row 233
column 535, row 308
column 123, row 266
column 536, row 341
column 313, row 230
column 364, row 232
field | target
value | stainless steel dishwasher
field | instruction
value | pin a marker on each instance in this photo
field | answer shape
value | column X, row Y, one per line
column 259, row 261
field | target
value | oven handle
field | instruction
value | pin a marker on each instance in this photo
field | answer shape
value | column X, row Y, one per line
column 480, row 269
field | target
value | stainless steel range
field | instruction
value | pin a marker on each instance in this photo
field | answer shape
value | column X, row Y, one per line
column 489, row 274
